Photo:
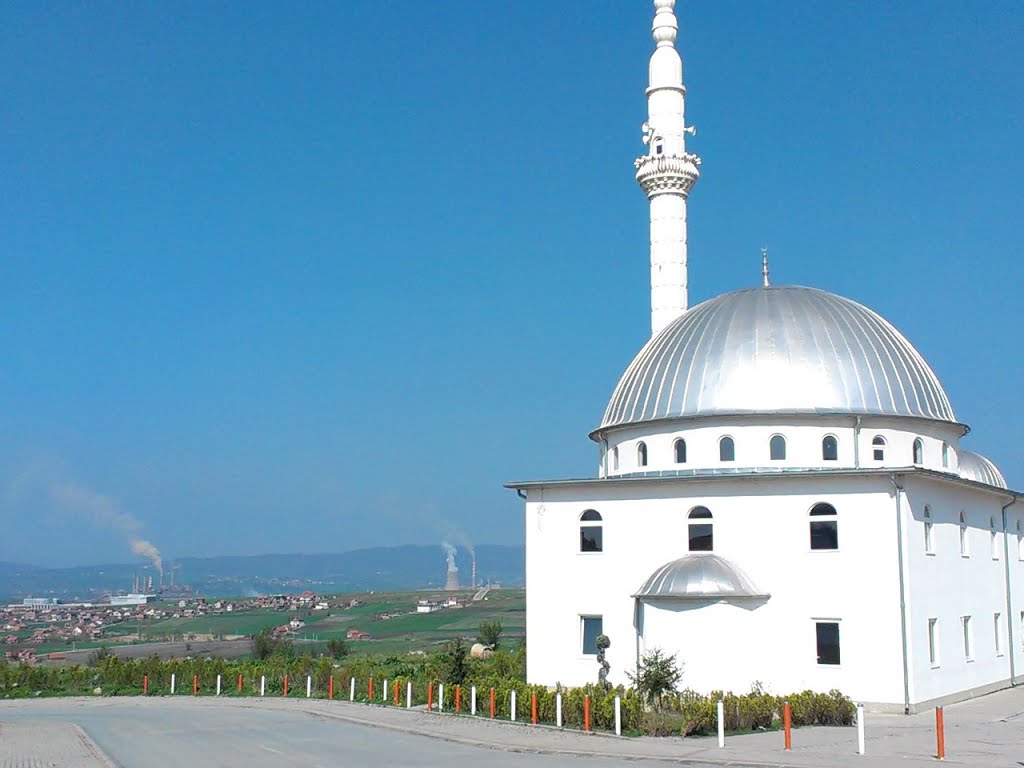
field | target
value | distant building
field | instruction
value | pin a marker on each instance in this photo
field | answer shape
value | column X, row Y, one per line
column 427, row 606
column 39, row 602
column 131, row 599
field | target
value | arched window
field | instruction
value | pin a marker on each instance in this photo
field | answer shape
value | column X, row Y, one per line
column 918, row 451
column 824, row 527
column 963, row 536
column 701, row 530
column 993, row 543
column 641, row 454
column 680, row 450
column 615, row 458
column 590, row 531
column 726, row 449
column 829, row 448
column 929, row 544
column 1020, row 542
column 945, row 455
column 777, row 448
column 878, row 446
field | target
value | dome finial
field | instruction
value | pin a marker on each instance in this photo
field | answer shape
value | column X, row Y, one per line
column 764, row 266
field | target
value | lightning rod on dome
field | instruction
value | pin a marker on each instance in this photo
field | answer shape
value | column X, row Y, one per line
column 764, row 266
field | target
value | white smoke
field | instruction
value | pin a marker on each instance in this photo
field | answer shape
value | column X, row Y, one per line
column 106, row 512
column 449, row 553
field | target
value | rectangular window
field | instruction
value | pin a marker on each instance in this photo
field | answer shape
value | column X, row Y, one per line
column 965, row 622
column 995, row 545
column 824, row 534
column 591, row 628
column 590, row 538
column 929, row 540
column 997, row 624
column 701, row 537
column 964, row 552
column 933, row 642
column 828, row 641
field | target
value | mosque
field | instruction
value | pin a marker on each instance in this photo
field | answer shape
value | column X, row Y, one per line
column 781, row 496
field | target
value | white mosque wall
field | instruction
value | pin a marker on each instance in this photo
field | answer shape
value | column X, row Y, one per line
column 803, row 435
column 762, row 526
column 946, row 586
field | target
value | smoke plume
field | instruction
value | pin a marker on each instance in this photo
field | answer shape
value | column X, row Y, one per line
column 449, row 553
column 105, row 512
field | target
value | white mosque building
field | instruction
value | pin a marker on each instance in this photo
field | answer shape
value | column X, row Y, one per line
column 781, row 494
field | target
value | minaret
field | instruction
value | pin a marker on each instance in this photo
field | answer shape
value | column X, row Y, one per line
column 667, row 172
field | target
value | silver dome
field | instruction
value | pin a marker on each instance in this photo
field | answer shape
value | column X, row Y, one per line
column 974, row 466
column 699, row 576
column 780, row 349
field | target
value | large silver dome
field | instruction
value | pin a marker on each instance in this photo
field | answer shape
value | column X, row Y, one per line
column 699, row 576
column 783, row 349
column 974, row 466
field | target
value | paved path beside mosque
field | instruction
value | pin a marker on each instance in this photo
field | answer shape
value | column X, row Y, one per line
column 257, row 732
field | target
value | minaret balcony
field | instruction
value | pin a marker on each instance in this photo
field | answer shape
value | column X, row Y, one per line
column 667, row 174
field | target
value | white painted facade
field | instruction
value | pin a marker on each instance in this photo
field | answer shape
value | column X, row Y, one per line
column 920, row 572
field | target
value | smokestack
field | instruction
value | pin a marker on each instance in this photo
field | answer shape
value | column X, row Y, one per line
column 149, row 584
column 472, row 578
column 452, row 580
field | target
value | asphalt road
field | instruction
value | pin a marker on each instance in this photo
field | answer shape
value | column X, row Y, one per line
column 178, row 734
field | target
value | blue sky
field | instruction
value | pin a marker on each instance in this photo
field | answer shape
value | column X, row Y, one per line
column 315, row 276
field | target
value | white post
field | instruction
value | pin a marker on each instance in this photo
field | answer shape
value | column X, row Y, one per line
column 618, row 716
column 263, row 685
column 384, row 693
column 172, row 682
column 309, row 686
column 558, row 709
column 352, row 690
column 440, row 697
column 512, row 708
column 860, row 729
column 408, row 695
column 218, row 685
column 472, row 700
column 721, row 723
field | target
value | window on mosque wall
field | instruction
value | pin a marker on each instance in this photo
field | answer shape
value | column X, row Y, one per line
column 590, row 532
column 964, row 551
column 994, row 540
column 641, row 454
column 929, row 542
column 824, row 527
column 590, row 629
column 918, row 451
column 997, row 625
column 830, row 448
column 878, row 447
column 701, row 530
column 933, row 642
column 827, row 633
column 945, row 455
column 679, row 446
column 726, row 449
column 777, row 448
column 968, row 633
column 1020, row 542
column 615, row 458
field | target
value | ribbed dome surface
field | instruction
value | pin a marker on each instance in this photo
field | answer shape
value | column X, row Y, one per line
column 700, row 576
column 974, row 466
column 783, row 349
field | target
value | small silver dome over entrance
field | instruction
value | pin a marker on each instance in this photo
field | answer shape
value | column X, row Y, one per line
column 699, row 576
column 777, row 349
column 974, row 466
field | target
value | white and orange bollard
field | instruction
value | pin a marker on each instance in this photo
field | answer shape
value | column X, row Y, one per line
column 860, row 729
column 218, row 685
column 173, row 682
column 512, row 707
column 721, row 723
column 408, row 695
column 472, row 700
column 263, row 685
column 618, row 716
column 940, row 735
column 309, row 686
column 352, row 689
column 787, row 726
column 558, row 709
column 440, row 697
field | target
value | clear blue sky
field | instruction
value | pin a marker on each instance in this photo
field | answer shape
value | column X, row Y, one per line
column 315, row 276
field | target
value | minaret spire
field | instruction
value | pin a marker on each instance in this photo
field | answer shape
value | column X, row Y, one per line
column 667, row 172
column 764, row 267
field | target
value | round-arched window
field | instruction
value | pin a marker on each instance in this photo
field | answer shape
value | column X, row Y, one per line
column 641, row 454
column 591, row 539
column 679, row 447
column 701, row 530
column 726, row 449
column 824, row 527
column 878, row 446
column 829, row 448
column 777, row 448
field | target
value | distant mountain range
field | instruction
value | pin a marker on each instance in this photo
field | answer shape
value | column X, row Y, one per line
column 360, row 570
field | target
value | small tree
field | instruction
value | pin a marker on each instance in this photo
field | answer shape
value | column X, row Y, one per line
column 603, row 644
column 337, row 648
column 657, row 675
column 453, row 666
column 262, row 645
column 490, row 633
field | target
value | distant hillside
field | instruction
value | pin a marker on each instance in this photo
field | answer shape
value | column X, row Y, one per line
column 376, row 568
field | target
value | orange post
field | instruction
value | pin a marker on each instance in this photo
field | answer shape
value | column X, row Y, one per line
column 430, row 697
column 145, row 684
column 396, row 693
column 492, row 702
column 940, row 735
column 239, row 683
column 330, row 688
column 586, row 713
column 533, row 708
column 195, row 685
column 284, row 692
column 787, row 725
column 370, row 689
column 458, row 698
